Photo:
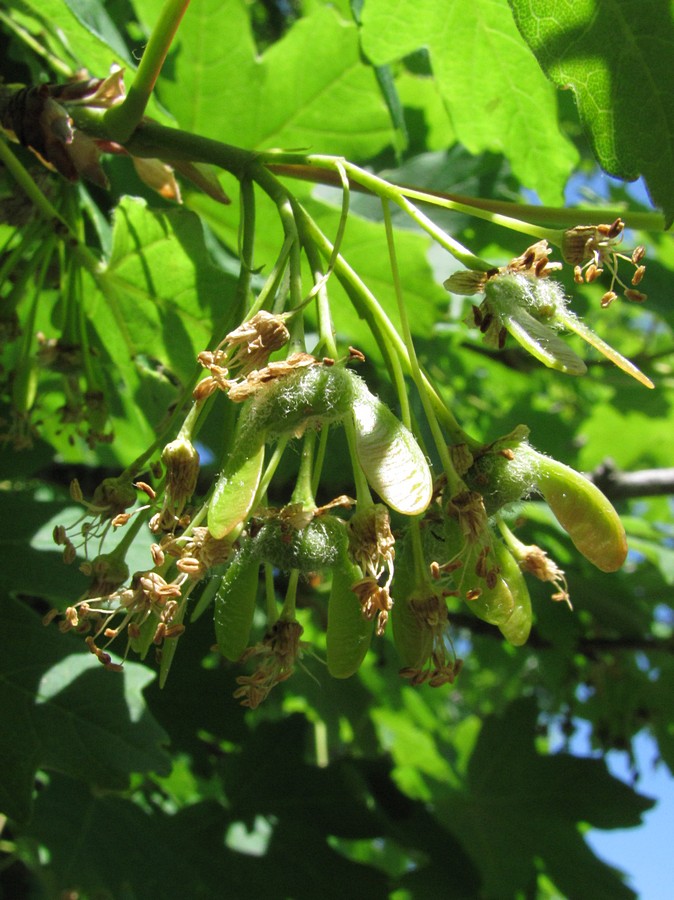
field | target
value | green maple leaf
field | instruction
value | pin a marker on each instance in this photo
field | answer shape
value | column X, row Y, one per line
column 519, row 809
column 495, row 95
column 164, row 292
column 617, row 59
column 311, row 89
column 62, row 711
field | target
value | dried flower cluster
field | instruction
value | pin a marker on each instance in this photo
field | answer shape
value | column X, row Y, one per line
column 592, row 248
column 276, row 656
column 246, row 351
column 372, row 546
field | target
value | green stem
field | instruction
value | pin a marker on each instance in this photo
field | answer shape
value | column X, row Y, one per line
column 363, row 495
column 403, row 399
column 288, row 611
column 121, row 121
column 537, row 217
column 153, row 140
column 519, row 216
column 188, row 428
column 325, row 326
column 83, row 332
column 43, row 257
column 303, row 493
column 270, row 471
column 247, row 246
column 489, row 215
column 139, row 464
column 70, row 328
column 287, row 213
column 270, row 596
column 272, row 284
column 388, row 339
column 453, row 479
column 388, row 191
column 421, row 574
column 320, row 458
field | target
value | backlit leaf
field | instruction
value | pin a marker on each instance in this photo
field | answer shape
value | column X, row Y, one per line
column 616, row 57
column 496, row 96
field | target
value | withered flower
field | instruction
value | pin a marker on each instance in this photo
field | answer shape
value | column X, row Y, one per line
column 257, row 379
column 535, row 262
column 276, row 654
column 536, row 562
column 252, row 343
column 375, row 602
column 372, row 546
column 442, row 666
column 591, row 248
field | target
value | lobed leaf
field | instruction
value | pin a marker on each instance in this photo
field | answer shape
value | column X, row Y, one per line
column 163, row 291
column 293, row 95
column 616, row 58
column 495, row 94
column 62, row 711
column 511, row 790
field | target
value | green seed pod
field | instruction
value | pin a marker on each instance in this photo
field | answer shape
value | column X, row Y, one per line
column 493, row 605
column 235, row 604
column 517, row 626
column 305, row 398
column 584, row 513
column 411, row 636
column 528, row 308
column 502, row 474
column 348, row 633
column 234, row 493
column 114, row 495
column 390, row 457
column 24, row 385
column 315, row 547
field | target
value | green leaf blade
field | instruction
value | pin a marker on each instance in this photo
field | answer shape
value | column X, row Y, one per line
column 496, row 95
column 63, row 711
column 616, row 57
column 261, row 101
column 168, row 291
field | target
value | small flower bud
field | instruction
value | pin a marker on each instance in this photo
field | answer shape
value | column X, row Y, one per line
column 113, row 496
column 182, row 470
column 157, row 555
column 146, row 489
column 69, row 553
